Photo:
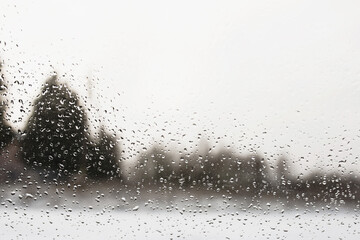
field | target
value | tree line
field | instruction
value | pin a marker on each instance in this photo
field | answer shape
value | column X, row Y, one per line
column 56, row 144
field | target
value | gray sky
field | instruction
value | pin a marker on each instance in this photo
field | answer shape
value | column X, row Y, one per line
column 274, row 76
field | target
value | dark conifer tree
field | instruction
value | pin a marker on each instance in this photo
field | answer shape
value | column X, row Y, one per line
column 103, row 158
column 6, row 133
column 55, row 133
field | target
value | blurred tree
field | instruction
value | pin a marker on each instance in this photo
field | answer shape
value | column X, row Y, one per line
column 11, row 166
column 55, row 133
column 236, row 172
column 282, row 171
column 261, row 180
column 196, row 168
column 155, row 166
column 191, row 170
column 221, row 169
column 283, row 178
column 6, row 133
column 103, row 157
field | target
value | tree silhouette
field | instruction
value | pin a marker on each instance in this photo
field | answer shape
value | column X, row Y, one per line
column 195, row 167
column 10, row 164
column 103, row 157
column 282, row 174
column 155, row 167
column 55, row 134
column 6, row 133
column 236, row 172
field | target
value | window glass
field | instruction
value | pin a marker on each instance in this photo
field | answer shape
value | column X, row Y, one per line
column 179, row 120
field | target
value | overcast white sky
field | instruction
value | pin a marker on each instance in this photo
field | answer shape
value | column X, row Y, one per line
column 283, row 75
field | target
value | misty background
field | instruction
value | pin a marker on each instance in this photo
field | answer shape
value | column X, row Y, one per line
column 274, row 78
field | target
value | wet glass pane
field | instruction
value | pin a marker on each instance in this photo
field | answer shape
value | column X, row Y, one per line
column 179, row 120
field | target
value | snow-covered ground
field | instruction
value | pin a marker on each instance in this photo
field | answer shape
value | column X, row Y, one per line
column 47, row 212
column 109, row 223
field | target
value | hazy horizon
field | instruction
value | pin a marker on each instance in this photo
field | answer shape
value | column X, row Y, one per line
column 275, row 77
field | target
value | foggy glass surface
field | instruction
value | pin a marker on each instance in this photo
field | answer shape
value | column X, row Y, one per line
column 188, row 120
